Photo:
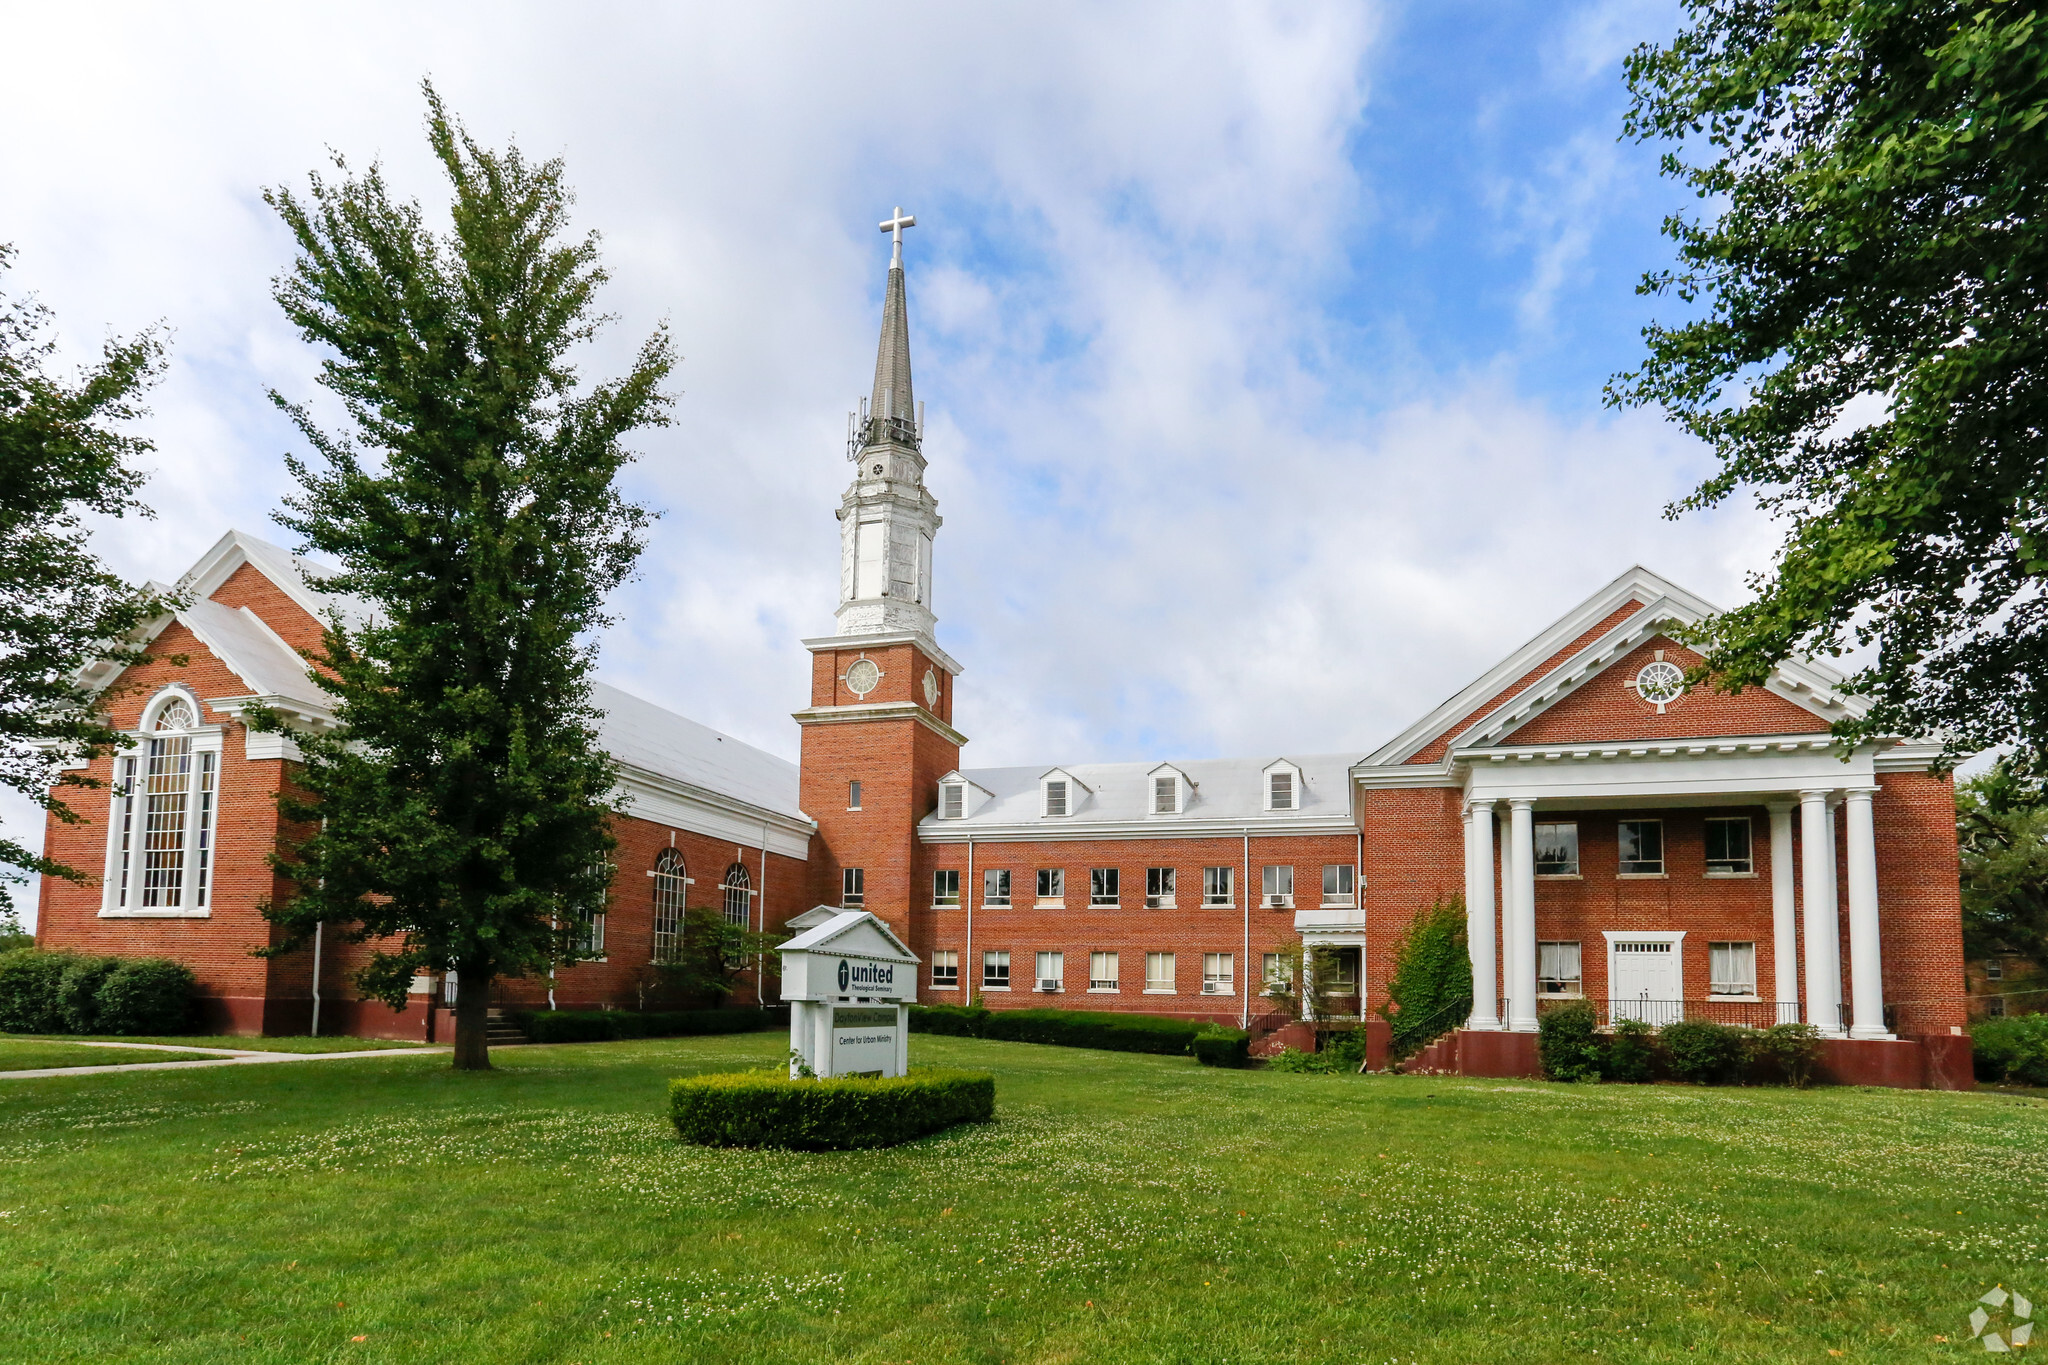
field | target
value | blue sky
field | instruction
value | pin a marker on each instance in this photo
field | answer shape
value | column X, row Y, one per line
column 1262, row 345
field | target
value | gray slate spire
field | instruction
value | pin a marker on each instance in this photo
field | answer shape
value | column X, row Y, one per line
column 892, row 410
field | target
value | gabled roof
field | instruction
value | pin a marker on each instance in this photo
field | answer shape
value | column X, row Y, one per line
column 851, row 933
column 1574, row 649
column 254, row 652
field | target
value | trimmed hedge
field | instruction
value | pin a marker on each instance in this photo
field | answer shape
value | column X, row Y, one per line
column 2012, row 1050
column 598, row 1026
column 770, row 1109
column 1223, row 1047
column 43, row 992
column 1110, row 1031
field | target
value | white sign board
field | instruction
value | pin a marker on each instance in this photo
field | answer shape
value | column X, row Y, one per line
column 849, row 982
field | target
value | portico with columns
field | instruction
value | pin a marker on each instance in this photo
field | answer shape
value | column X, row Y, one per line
column 1668, row 851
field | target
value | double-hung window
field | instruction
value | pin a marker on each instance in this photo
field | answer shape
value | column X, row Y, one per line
column 1280, row 791
column 1728, row 852
column 1159, row 973
column 1052, row 887
column 1276, row 887
column 1165, row 795
column 946, row 888
column 1216, row 886
column 1056, row 797
column 853, row 884
column 1557, row 850
column 1218, row 974
column 1731, row 969
column 945, row 969
column 1558, row 970
column 164, row 812
column 1276, row 970
column 1158, row 888
column 995, row 969
column 1052, row 971
column 1102, row 886
column 1340, row 884
column 995, row 887
column 1642, row 848
column 952, row 800
column 1102, row 971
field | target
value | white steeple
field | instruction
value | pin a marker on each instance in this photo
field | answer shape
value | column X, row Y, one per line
column 887, row 520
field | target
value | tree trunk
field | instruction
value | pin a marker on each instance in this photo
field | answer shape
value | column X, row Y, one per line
column 472, row 1021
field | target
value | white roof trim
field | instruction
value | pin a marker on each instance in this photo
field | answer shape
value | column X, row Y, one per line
column 1663, row 599
column 820, row 937
column 957, row 776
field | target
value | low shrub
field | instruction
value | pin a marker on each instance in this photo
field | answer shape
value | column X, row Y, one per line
column 2012, row 1050
column 1787, row 1052
column 1295, row 1060
column 1567, row 1041
column 1111, row 1031
column 1630, row 1057
column 28, row 991
column 1703, row 1051
column 1217, row 1046
column 146, row 995
column 78, row 992
column 769, row 1109
column 598, row 1026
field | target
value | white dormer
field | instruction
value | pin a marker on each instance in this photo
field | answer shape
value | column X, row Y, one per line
column 960, row 796
column 1167, row 790
column 1280, row 784
column 1060, row 794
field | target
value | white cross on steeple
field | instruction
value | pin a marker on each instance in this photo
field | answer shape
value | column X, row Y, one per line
column 894, row 227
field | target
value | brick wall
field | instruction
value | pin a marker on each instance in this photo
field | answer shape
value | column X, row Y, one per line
column 1607, row 708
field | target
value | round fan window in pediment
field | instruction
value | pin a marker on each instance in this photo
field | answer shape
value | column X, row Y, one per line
column 1660, row 683
column 175, row 715
column 862, row 676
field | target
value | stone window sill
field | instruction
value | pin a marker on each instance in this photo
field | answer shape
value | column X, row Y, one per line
column 1105, row 990
column 1730, row 876
column 987, row 987
column 156, row 914
column 1559, row 877
column 1643, row 876
column 1161, row 990
column 1044, row 904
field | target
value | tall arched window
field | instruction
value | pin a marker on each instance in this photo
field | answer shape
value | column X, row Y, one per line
column 739, row 901
column 669, row 884
column 163, row 811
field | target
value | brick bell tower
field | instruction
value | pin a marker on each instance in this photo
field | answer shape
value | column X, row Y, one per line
column 878, row 734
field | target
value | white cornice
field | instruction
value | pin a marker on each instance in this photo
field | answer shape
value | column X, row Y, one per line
column 887, row 637
column 878, row 710
column 1053, row 829
column 663, row 800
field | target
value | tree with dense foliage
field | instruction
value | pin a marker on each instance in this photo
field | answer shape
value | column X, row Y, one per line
column 1430, row 992
column 458, row 815
column 63, row 454
column 2002, row 834
column 1869, row 352
column 712, row 954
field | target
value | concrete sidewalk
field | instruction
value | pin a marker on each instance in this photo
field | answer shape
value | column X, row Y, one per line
column 222, row 1056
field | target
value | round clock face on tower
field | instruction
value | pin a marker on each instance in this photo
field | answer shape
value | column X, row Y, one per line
column 861, row 677
column 931, row 689
column 1660, row 683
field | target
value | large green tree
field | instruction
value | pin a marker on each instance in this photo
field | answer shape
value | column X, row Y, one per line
column 457, row 817
column 2002, row 835
column 1867, row 345
column 64, row 454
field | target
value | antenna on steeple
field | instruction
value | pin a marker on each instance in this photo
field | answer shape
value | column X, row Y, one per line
column 920, row 421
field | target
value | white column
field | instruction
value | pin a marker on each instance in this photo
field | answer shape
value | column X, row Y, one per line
column 1479, row 918
column 1784, row 915
column 1815, row 880
column 1521, row 943
column 1841, row 995
column 1866, row 966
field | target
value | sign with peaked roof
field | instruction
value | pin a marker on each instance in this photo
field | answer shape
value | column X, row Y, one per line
column 846, row 955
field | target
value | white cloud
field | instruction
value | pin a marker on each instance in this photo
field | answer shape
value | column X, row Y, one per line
column 1178, row 520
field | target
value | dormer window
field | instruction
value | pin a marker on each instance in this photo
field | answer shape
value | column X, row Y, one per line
column 1167, row 791
column 952, row 800
column 1056, row 797
column 1165, row 795
column 1283, row 786
column 1060, row 793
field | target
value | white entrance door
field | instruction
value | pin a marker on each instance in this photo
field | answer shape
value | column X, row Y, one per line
column 1643, row 980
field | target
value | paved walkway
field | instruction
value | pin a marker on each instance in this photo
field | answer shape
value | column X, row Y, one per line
column 219, row 1056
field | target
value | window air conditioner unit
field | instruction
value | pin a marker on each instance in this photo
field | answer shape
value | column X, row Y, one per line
column 1049, row 984
column 1276, row 902
column 1215, row 988
column 1154, row 902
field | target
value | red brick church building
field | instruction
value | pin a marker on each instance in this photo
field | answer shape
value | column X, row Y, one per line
column 1614, row 835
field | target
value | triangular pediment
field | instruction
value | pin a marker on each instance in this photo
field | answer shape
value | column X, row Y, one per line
column 1578, row 648
column 851, row 933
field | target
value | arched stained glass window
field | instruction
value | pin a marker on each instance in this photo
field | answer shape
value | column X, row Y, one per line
column 739, row 906
column 669, row 885
column 164, row 811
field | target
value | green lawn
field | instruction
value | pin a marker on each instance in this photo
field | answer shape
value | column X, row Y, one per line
column 1124, row 1208
column 291, row 1044
column 30, row 1054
